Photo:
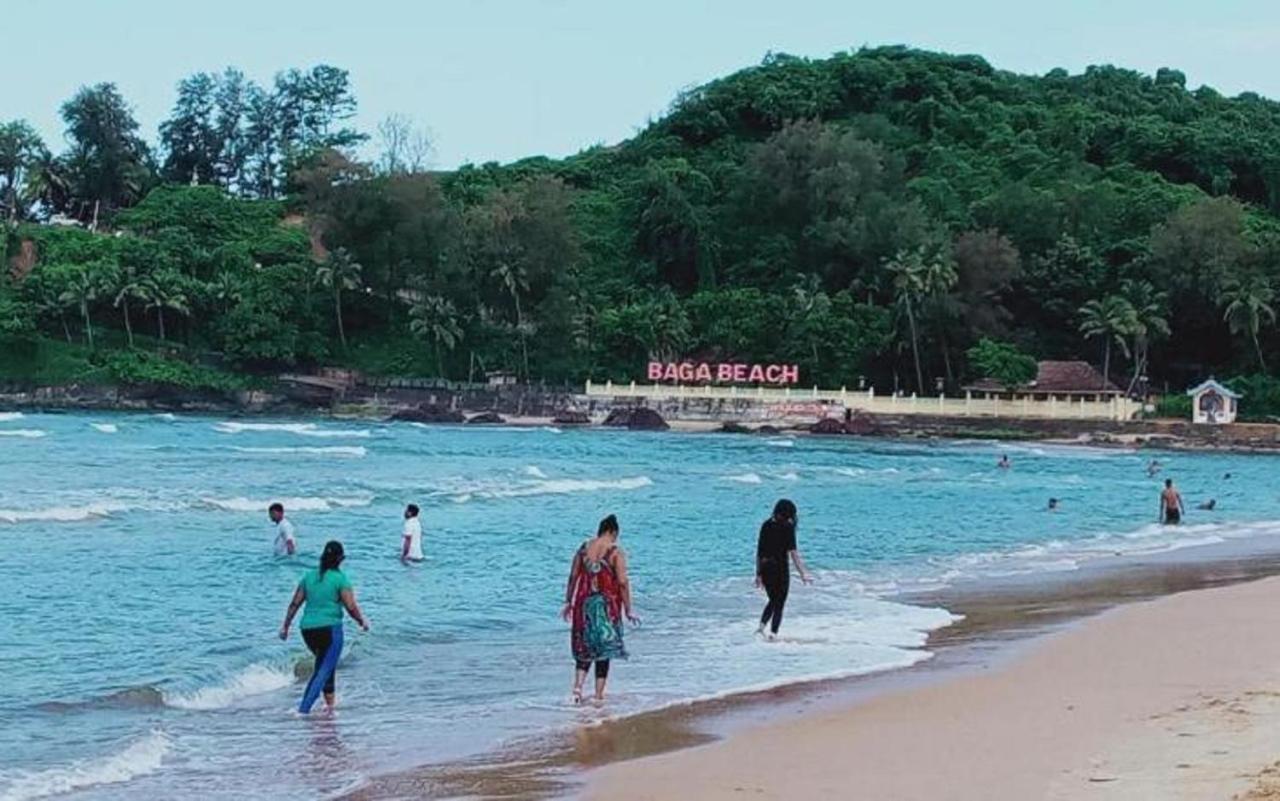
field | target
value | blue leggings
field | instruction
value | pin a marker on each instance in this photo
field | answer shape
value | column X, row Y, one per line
column 326, row 644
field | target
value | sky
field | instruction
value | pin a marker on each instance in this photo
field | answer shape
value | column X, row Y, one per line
column 497, row 80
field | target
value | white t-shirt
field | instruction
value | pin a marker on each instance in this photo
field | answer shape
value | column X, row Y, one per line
column 413, row 531
column 284, row 537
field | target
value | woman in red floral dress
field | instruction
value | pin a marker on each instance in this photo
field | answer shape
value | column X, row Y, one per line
column 596, row 601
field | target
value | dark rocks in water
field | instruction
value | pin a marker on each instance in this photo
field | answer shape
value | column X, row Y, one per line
column 486, row 419
column 768, row 430
column 637, row 419
column 861, row 423
column 430, row 413
column 828, row 425
column 571, row 417
column 734, row 427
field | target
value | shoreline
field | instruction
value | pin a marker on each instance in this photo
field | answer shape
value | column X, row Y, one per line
column 1002, row 622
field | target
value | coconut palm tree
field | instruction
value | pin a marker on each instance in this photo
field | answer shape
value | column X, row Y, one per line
column 914, row 279
column 129, row 286
column 1247, row 307
column 225, row 290
column 1113, row 319
column 165, row 291
column 1149, row 322
column 336, row 273
column 515, row 281
column 82, row 289
column 436, row 318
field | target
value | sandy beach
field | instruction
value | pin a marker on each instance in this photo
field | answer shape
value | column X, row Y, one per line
column 1173, row 698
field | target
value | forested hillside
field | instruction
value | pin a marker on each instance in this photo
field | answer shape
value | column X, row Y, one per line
column 875, row 215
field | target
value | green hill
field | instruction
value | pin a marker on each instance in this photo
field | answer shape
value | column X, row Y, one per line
column 845, row 214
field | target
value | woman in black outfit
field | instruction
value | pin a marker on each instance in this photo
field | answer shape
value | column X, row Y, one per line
column 777, row 544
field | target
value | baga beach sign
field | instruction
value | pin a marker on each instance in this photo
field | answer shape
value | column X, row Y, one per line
column 724, row 373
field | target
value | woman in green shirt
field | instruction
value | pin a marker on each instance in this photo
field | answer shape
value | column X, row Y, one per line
column 326, row 592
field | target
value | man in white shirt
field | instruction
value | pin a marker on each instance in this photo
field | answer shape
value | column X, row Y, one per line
column 285, row 544
column 411, row 545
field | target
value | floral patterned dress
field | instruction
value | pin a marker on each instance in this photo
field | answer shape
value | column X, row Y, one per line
column 597, row 609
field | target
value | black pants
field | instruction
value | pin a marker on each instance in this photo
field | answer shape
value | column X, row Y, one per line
column 777, row 583
column 318, row 642
column 602, row 668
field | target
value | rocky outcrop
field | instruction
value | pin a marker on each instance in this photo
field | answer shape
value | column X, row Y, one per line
column 429, row 413
column 768, row 430
column 734, row 427
column 827, row 425
column 636, row 419
column 486, row 419
column 571, row 417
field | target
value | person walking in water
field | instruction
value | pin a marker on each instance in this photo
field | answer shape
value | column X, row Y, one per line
column 411, row 542
column 775, row 548
column 286, row 544
column 325, row 591
column 1171, row 509
column 596, row 601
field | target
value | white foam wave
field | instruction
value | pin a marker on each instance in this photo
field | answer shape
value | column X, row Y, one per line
column 24, row 433
column 347, row 451
column 6, row 417
column 140, row 758
column 745, row 478
column 784, row 442
column 303, row 429
column 63, row 514
column 168, row 417
column 556, row 486
column 552, row 430
column 302, row 504
column 789, row 476
column 105, row 428
column 535, row 471
column 253, row 680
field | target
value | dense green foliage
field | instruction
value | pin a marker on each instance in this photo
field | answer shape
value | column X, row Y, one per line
column 1002, row 362
column 885, row 214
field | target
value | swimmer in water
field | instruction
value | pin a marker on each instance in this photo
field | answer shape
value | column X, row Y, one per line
column 1208, row 505
column 325, row 592
column 1004, row 463
column 1153, row 468
column 1171, row 508
column 411, row 542
column 1053, row 504
column 286, row 544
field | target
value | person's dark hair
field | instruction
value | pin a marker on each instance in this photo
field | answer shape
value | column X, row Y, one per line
column 1168, row 482
column 276, row 507
column 412, row 509
column 332, row 556
column 785, row 510
column 608, row 526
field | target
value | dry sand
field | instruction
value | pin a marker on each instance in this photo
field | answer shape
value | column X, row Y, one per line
column 1166, row 700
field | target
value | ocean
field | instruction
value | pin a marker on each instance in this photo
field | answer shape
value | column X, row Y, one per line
column 139, row 652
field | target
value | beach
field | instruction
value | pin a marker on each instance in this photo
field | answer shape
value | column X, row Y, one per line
column 1172, row 698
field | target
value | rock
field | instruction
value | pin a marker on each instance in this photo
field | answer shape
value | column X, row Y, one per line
column 768, row 430
column 636, row 419
column 861, row 423
column 734, row 427
column 827, row 425
column 571, row 417
column 486, row 419
column 429, row 413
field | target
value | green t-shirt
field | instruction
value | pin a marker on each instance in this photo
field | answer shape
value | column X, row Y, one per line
column 324, row 605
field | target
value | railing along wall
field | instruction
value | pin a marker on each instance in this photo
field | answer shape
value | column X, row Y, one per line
column 1115, row 408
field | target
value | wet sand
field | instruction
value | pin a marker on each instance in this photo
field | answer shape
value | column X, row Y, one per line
column 1004, row 624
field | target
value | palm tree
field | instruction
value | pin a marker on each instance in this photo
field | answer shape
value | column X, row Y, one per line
column 513, row 278
column 1149, row 322
column 1113, row 319
column 80, row 293
column 336, row 273
column 907, row 276
column 1247, row 303
column 225, row 290
column 163, row 291
column 436, row 318
column 128, row 286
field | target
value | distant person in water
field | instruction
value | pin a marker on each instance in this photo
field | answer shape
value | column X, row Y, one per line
column 1226, row 476
column 1004, row 463
column 285, row 544
column 1053, row 504
column 596, row 601
column 1208, row 506
column 325, row 591
column 411, row 541
column 775, row 549
column 1171, row 509
column 1152, row 468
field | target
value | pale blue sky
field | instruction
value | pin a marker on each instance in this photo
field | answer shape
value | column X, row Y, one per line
column 501, row 79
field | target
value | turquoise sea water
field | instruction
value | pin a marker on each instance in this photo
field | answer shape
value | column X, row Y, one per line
column 142, row 600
